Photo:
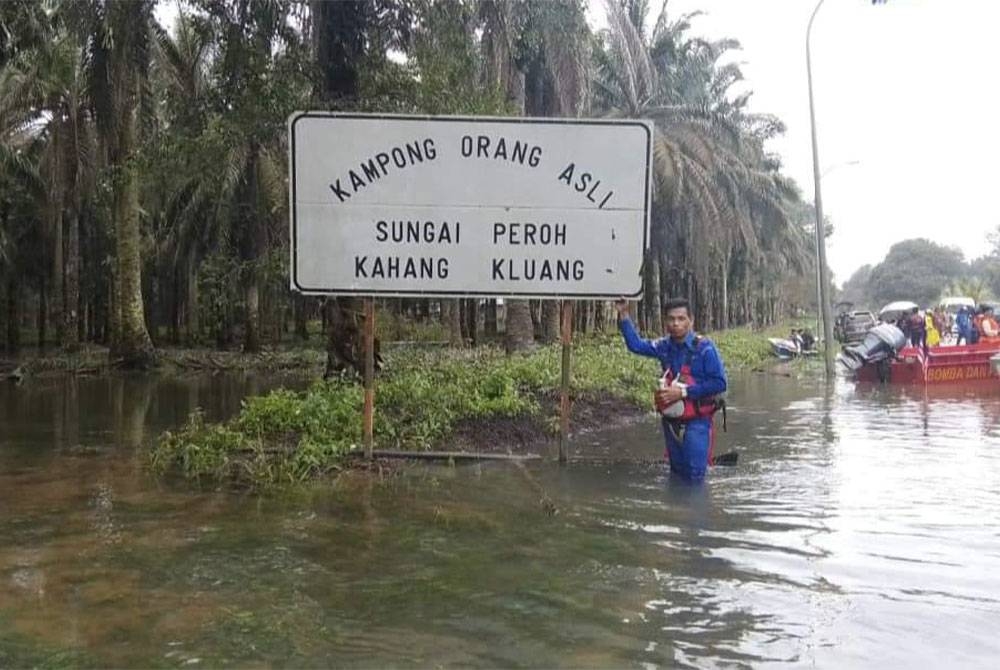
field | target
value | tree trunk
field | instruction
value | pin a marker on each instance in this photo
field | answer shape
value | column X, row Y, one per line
column 43, row 310
column 71, row 324
column 452, row 317
column 192, row 325
column 653, row 295
column 550, row 321
column 600, row 316
column 724, row 307
column 535, row 308
column 83, row 322
column 301, row 309
column 339, row 48
column 472, row 320
column 490, row 320
column 345, row 344
column 251, row 339
column 13, row 317
column 518, row 332
column 176, row 305
column 586, row 311
column 251, row 248
column 57, row 299
column 463, row 319
column 134, row 344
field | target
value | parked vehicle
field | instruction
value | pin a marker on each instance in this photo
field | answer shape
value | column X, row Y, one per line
column 954, row 303
column 896, row 310
column 851, row 326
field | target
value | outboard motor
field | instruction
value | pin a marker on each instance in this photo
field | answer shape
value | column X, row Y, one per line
column 881, row 343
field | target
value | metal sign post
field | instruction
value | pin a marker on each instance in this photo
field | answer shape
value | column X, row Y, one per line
column 564, row 399
column 369, row 374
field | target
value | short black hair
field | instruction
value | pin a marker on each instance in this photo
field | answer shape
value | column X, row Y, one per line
column 676, row 303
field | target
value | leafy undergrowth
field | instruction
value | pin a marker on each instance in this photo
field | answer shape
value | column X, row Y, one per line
column 287, row 436
column 743, row 348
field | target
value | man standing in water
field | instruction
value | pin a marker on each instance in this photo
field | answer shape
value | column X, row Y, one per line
column 695, row 380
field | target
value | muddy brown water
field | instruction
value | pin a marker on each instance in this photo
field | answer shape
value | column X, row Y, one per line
column 860, row 529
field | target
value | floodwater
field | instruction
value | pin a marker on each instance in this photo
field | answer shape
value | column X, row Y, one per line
column 860, row 529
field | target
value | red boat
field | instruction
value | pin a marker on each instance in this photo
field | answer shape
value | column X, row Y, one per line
column 883, row 357
column 970, row 363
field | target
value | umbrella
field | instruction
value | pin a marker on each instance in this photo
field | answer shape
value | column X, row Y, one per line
column 896, row 308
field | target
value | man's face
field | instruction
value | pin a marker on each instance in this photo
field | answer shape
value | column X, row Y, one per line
column 678, row 323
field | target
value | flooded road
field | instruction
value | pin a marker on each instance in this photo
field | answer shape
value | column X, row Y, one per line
column 860, row 529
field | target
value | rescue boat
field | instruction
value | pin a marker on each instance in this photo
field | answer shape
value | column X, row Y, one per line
column 884, row 356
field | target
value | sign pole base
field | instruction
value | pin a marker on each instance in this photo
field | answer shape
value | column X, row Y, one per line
column 369, row 376
column 564, row 401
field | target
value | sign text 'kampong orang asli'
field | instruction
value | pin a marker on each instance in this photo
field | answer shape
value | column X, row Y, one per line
column 445, row 206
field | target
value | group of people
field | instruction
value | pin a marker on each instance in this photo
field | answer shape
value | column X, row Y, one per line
column 933, row 327
column 977, row 325
column 803, row 339
column 924, row 329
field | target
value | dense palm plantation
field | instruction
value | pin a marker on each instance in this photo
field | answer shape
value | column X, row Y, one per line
column 143, row 196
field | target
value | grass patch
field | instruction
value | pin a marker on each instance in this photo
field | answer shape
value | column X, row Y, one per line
column 287, row 437
column 744, row 348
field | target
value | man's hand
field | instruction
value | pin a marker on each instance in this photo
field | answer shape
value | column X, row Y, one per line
column 668, row 396
column 621, row 305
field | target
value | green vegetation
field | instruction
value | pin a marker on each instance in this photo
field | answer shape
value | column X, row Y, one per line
column 287, row 436
column 743, row 348
column 143, row 167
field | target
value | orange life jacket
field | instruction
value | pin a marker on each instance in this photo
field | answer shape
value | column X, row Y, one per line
column 989, row 329
column 701, row 408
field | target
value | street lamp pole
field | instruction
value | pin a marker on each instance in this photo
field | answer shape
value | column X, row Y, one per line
column 820, row 239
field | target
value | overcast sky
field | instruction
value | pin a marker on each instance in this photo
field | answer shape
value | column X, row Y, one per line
column 906, row 89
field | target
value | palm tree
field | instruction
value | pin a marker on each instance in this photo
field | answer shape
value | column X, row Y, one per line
column 538, row 52
column 186, row 188
column 717, row 195
column 339, row 44
column 23, row 26
column 258, row 84
column 119, row 49
column 42, row 91
column 346, row 35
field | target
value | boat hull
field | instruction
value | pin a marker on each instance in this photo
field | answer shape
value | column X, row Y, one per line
column 940, row 365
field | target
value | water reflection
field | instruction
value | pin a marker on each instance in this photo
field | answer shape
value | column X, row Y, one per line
column 858, row 520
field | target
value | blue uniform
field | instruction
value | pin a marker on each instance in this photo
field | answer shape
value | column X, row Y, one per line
column 688, row 444
column 964, row 322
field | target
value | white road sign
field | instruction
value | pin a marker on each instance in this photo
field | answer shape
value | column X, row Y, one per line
column 451, row 206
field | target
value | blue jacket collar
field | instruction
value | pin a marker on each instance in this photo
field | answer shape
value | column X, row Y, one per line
column 687, row 343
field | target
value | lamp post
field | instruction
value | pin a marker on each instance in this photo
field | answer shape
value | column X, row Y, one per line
column 820, row 240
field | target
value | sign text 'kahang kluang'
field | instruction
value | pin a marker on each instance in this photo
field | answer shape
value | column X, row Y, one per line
column 452, row 206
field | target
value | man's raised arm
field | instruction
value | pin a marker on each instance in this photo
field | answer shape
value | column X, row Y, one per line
column 633, row 341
